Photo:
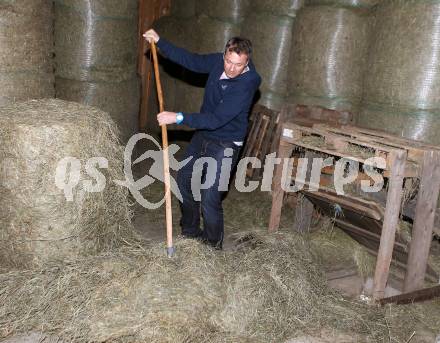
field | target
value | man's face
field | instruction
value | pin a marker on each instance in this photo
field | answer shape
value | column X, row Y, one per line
column 234, row 63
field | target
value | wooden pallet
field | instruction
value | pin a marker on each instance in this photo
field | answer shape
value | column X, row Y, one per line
column 405, row 160
column 265, row 127
column 335, row 142
column 262, row 136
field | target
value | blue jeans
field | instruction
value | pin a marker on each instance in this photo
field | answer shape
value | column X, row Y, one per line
column 210, row 201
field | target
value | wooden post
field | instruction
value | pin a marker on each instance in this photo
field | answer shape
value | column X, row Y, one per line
column 304, row 207
column 284, row 151
column 423, row 222
column 397, row 163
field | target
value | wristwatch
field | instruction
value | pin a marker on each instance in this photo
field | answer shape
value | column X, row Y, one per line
column 179, row 118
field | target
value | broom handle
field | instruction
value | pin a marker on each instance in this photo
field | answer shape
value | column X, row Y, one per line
column 166, row 161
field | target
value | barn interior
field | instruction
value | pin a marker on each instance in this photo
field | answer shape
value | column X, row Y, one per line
column 337, row 241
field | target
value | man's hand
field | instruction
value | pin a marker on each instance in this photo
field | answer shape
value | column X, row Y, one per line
column 151, row 36
column 165, row 118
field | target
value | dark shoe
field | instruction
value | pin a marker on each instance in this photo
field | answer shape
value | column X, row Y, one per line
column 192, row 235
column 217, row 245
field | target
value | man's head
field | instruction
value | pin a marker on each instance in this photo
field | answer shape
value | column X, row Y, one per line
column 236, row 57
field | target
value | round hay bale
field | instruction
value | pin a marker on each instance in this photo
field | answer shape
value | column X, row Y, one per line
column 345, row 3
column 278, row 7
column 271, row 100
column 23, row 86
column 39, row 222
column 328, row 55
column 175, row 30
column 96, row 40
column 271, row 37
column 413, row 124
column 230, row 10
column 119, row 99
column 215, row 34
column 26, row 67
column 190, row 97
column 183, row 8
column 403, row 80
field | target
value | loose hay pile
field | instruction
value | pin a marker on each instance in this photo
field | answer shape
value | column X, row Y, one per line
column 38, row 223
column 268, row 290
column 26, row 41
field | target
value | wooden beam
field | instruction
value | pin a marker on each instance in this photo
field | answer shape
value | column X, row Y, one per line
column 413, row 297
column 397, row 159
column 424, row 221
column 284, row 152
column 304, row 207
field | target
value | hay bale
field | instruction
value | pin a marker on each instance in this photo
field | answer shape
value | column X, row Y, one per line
column 215, row 34
column 26, row 68
column 328, row 55
column 182, row 89
column 278, row 7
column 267, row 291
column 96, row 40
column 345, row 3
column 229, row 10
column 183, row 8
column 402, row 86
column 271, row 100
column 38, row 223
column 413, row 124
column 119, row 99
column 271, row 37
column 190, row 96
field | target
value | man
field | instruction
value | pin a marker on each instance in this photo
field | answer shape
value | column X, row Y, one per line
column 221, row 127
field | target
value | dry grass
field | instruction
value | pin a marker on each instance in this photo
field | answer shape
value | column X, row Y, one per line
column 38, row 223
column 268, row 290
column 328, row 54
column 26, row 66
column 96, row 41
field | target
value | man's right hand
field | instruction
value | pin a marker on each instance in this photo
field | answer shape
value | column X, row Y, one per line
column 151, row 36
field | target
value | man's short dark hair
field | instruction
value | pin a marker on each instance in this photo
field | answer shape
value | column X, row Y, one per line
column 239, row 45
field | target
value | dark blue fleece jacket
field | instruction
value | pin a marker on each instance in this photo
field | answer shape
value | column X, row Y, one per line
column 226, row 103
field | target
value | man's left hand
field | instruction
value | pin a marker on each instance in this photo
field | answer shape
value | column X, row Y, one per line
column 165, row 118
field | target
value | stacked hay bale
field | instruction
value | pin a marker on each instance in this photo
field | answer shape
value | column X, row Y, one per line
column 96, row 52
column 26, row 40
column 177, row 30
column 329, row 47
column 269, row 28
column 402, row 83
column 47, row 210
column 214, row 24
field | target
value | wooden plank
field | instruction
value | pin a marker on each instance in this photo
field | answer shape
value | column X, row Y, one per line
column 284, row 151
column 413, row 297
column 281, row 118
column 391, row 219
column 304, row 207
column 423, row 222
column 367, row 234
column 262, row 135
